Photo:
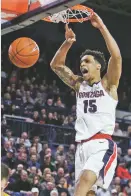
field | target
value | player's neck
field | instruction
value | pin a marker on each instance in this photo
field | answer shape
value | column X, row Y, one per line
column 94, row 80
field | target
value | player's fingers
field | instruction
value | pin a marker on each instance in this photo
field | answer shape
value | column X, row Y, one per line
column 66, row 27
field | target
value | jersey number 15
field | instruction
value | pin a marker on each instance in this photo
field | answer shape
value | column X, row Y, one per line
column 90, row 105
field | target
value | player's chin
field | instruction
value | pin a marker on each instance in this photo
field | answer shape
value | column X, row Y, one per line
column 86, row 76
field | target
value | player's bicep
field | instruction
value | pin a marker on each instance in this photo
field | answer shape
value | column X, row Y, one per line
column 67, row 76
column 114, row 71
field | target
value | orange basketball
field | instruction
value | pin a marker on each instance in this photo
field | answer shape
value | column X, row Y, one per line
column 23, row 52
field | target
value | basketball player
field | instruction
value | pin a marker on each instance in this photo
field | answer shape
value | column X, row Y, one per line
column 4, row 178
column 97, row 98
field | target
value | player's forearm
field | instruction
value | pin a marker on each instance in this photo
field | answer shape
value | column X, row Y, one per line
column 60, row 56
column 110, row 42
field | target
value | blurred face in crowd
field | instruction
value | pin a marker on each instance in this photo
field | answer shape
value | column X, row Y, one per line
column 50, row 102
column 60, row 172
column 31, row 87
column 8, row 89
column 36, row 139
column 36, row 114
column 129, row 131
column 119, row 151
column 129, row 152
column 63, row 194
column 21, row 141
column 27, row 94
column 71, row 119
column 72, row 148
column 60, row 160
column 23, row 157
column 38, row 95
column 50, row 116
column 9, row 155
column 22, row 149
column 48, row 177
column 59, row 102
column 47, row 151
column 62, row 181
column 18, row 93
column 24, row 175
column 47, row 171
column 20, row 167
column 47, row 159
column 61, row 148
column 116, row 126
column 7, row 96
column 45, row 146
column 42, row 88
column 43, row 111
column 9, row 133
column 50, row 186
column 33, row 158
column 27, row 81
column 33, row 150
column 117, row 180
column 7, row 145
column 24, row 135
column 33, row 170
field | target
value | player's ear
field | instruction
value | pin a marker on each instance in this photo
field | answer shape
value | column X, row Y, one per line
column 98, row 66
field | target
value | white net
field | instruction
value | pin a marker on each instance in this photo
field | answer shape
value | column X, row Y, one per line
column 65, row 16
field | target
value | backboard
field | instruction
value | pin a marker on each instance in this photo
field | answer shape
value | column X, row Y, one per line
column 17, row 14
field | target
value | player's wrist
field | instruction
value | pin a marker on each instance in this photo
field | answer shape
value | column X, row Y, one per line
column 102, row 27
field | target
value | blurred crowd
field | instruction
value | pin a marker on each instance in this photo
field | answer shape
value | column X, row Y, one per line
column 36, row 168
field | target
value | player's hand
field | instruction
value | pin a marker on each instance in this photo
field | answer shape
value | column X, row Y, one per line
column 96, row 21
column 69, row 34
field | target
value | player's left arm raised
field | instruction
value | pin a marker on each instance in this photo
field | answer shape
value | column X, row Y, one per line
column 115, row 62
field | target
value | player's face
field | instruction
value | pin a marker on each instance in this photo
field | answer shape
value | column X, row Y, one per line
column 89, row 67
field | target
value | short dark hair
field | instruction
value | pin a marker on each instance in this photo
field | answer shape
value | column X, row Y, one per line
column 98, row 56
column 4, row 171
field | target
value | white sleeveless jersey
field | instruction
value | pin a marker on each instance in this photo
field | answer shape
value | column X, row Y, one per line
column 95, row 111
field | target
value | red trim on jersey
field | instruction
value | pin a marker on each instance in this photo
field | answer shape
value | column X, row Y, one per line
column 97, row 136
column 111, row 159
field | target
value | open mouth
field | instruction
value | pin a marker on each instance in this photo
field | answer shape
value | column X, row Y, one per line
column 84, row 71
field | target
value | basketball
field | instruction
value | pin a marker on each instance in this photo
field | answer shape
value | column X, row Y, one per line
column 23, row 52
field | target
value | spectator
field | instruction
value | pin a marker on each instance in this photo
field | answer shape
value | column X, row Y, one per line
column 22, row 185
column 24, row 136
column 71, row 154
column 117, row 130
column 60, row 151
column 127, row 159
column 7, row 146
column 39, row 145
column 129, row 131
column 8, row 136
column 9, row 159
column 123, row 172
column 22, row 159
column 127, row 189
column 35, row 191
column 47, row 163
column 33, row 161
column 54, row 192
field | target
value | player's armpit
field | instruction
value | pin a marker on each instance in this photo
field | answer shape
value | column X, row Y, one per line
column 67, row 76
column 114, row 71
